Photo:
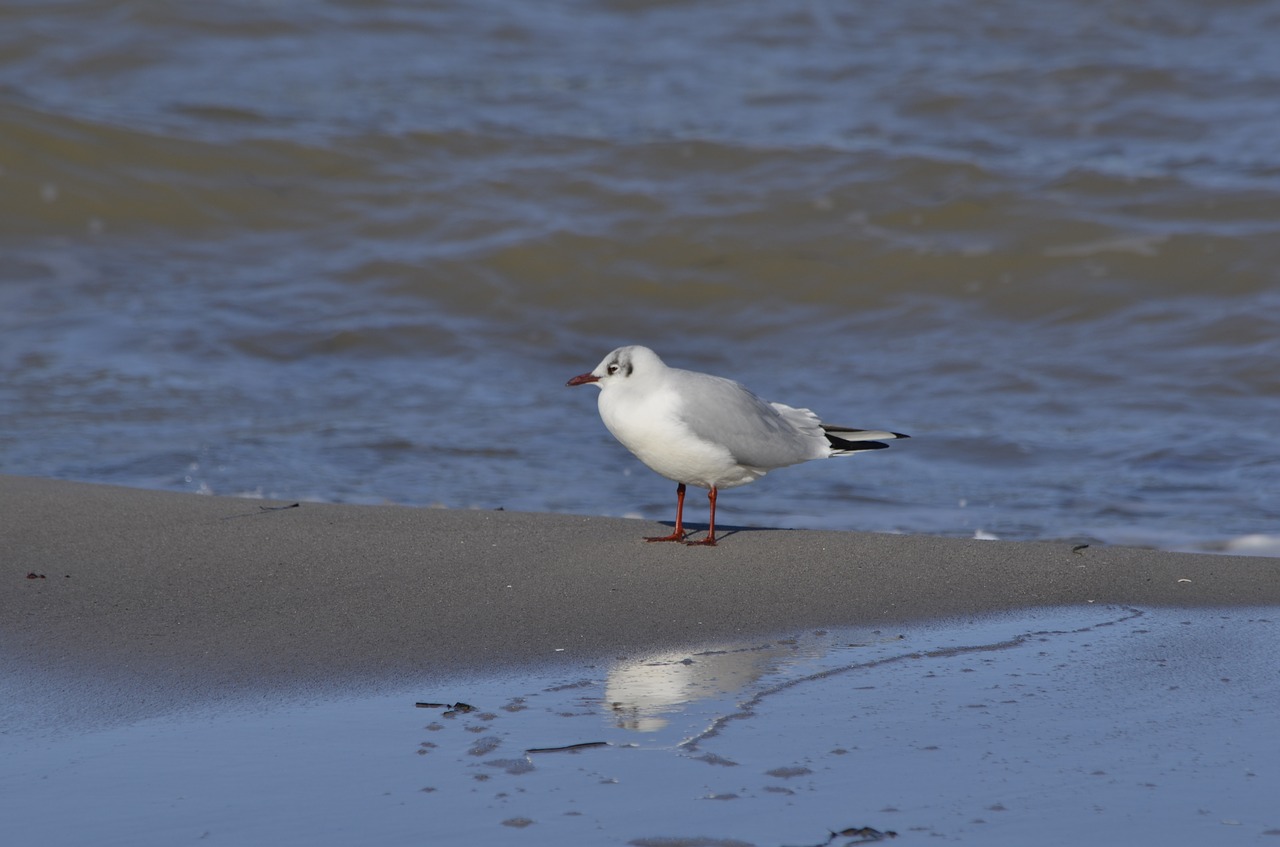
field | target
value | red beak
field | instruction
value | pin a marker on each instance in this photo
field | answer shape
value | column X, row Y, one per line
column 583, row 379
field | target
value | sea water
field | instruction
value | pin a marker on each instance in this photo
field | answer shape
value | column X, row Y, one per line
column 352, row 251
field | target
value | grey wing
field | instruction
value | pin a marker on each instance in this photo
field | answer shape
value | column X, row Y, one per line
column 754, row 431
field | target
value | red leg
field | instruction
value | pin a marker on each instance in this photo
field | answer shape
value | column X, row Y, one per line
column 710, row 540
column 678, row 535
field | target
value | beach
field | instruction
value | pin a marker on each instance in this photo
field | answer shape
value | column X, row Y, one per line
column 194, row 593
column 306, row 541
column 162, row 629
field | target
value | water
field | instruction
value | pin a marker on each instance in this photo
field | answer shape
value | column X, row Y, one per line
column 351, row 252
column 1059, row 727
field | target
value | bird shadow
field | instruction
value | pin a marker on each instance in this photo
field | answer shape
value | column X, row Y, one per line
column 697, row 531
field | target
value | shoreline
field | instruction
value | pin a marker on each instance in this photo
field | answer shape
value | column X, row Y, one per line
column 189, row 595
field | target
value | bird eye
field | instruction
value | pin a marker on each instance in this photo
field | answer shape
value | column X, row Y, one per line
column 613, row 368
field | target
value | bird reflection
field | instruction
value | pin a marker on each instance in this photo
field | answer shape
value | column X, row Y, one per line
column 640, row 694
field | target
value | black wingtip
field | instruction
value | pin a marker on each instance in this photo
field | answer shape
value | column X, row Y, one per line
column 851, row 446
column 832, row 431
column 830, row 428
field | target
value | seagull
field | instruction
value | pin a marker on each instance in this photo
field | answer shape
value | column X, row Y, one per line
column 698, row 429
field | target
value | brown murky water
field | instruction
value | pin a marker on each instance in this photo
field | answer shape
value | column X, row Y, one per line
column 351, row 251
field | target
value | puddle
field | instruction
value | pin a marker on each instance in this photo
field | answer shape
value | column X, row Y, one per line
column 1056, row 727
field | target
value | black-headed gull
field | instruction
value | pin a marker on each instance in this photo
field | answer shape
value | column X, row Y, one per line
column 708, row 431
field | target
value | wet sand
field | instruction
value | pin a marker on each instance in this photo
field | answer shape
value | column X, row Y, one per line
column 183, row 668
column 194, row 596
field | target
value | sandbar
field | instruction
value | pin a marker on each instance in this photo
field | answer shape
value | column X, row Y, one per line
column 166, row 596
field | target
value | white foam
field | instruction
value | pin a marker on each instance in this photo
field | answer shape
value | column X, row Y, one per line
column 1256, row 544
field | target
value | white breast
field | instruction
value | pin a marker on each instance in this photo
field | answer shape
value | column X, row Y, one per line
column 654, row 432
